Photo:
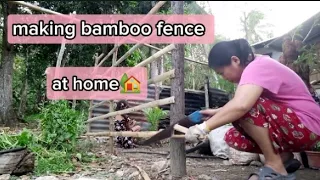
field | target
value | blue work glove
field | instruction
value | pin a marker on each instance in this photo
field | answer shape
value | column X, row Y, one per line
column 196, row 117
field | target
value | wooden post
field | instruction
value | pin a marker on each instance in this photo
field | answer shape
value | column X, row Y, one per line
column 206, row 92
column 111, row 128
column 177, row 110
column 111, row 109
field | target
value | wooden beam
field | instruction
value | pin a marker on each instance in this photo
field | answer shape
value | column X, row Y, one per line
column 162, row 77
column 156, row 55
column 161, row 102
column 185, row 58
column 178, row 165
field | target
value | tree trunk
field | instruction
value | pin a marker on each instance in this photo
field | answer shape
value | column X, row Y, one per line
column 7, row 116
column 23, row 100
column 24, row 89
column 177, row 110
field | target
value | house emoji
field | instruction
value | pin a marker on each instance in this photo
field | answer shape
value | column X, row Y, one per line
column 132, row 85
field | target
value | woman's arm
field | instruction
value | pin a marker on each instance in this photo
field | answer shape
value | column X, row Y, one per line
column 210, row 112
column 245, row 97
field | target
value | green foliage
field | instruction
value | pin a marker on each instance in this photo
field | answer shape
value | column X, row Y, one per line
column 253, row 27
column 309, row 56
column 61, row 125
column 154, row 115
column 56, row 144
column 24, row 139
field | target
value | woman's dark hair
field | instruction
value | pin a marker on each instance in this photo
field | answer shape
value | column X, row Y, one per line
column 221, row 53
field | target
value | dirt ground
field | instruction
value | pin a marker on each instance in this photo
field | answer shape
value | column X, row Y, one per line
column 154, row 161
column 212, row 167
column 142, row 163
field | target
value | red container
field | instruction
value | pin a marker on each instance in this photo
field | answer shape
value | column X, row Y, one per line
column 313, row 159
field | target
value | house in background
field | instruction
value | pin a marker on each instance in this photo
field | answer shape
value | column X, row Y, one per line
column 264, row 49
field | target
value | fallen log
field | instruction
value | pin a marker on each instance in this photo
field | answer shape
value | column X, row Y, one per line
column 17, row 161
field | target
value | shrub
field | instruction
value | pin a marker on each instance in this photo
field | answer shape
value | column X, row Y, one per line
column 61, row 125
column 154, row 115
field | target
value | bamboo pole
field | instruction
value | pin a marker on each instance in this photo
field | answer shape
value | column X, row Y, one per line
column 185, row 58
column 153, row 57
column 111, row 127
column 109, row 54
column 152, row 11
column 98, row 104
column 162, row 77
column 141, row 134
column 206, row 90
column 128, row 53
column 37, row 8
column 89, row 116
column 161, row 102
column 156, row 55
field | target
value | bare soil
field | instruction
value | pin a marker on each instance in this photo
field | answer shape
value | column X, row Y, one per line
column 126, row 163
column 212, row 167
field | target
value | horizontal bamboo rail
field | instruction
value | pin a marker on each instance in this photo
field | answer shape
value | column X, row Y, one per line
column 186, row 58
column 156, row 55
column 141, row 134
column 99, row 104
column 35, row 7
column 161, row 102
column 162, row 77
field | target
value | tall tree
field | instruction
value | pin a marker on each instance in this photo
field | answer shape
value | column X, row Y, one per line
column 253, row 28
column 7, row 116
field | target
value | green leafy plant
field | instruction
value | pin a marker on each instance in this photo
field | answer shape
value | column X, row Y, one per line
column 154, row 115
column 61, row 125
column 24, row 139
column 309, row 56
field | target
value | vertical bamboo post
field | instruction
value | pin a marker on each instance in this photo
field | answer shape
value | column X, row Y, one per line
column 206, row 92
column 177, row 110
column 111, row 119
